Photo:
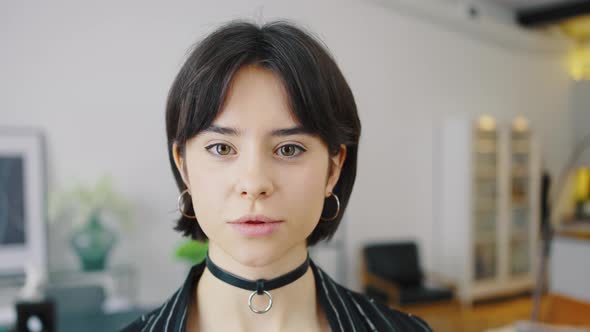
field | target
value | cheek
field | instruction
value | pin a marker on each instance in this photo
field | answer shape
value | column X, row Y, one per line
column 304, row 193
column 306, row 182
column 208, row 185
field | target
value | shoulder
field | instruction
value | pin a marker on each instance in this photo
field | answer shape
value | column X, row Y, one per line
column 391, row 316
column 171, row 315
column 350, row 309
column 167, row 317
column 382, row 315
column 139, row 324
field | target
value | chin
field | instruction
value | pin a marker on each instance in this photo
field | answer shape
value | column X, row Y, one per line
column 257, row 255
column 256, row 259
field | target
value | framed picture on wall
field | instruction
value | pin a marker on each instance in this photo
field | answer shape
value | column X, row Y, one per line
column 22, row 200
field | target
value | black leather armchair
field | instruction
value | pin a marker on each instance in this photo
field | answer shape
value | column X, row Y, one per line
column 391, row 274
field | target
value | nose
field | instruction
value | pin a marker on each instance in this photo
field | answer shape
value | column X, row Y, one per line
column 255, row 180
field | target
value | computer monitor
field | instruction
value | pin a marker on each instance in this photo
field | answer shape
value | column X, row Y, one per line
column 22, row 201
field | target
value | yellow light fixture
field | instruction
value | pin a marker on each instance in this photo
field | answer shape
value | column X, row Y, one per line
column 577, row 27
column 582, row 184
column 578, row 60
column 487, row 123
column 520, row 124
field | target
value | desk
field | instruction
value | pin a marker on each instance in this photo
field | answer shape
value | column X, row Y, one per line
column 94, row 322
column 118, row 282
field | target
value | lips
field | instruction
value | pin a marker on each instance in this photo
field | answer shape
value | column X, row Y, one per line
column 256, row 225
column 254, row 219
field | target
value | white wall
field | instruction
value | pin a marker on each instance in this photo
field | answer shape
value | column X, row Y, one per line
column 95, row 76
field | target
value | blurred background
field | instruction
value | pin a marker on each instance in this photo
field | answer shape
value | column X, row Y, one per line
column 471, row 206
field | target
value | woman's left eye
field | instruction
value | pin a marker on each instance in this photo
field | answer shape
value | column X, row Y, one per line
column 290, row 149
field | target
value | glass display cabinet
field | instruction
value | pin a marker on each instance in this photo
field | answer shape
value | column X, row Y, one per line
column 486, row 201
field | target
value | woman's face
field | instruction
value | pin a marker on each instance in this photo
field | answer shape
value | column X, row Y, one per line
column 249, row 170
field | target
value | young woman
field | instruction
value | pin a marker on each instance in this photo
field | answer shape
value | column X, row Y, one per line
column 263, row 138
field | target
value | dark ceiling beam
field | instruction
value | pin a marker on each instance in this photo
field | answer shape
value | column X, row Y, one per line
column 552, row 13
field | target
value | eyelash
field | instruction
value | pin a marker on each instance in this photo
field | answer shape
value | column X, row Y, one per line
column 288, row 157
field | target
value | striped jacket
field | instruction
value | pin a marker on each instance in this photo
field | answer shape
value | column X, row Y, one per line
column 346, row 310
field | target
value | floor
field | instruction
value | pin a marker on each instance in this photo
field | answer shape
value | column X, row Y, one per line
column 480, row 317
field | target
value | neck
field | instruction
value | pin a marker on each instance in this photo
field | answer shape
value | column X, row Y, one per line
column 222, row 306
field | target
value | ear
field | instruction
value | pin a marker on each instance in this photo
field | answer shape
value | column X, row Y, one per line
column 180, row 164
column 337, row 162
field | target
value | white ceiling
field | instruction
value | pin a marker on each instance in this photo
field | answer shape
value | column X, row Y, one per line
column 522, row 4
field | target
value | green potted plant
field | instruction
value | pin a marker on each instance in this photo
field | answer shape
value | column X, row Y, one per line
column 191, row 251
column 86, row 207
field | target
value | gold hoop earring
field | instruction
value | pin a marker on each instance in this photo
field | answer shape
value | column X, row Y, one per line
column 180, row 208
column 337, row 209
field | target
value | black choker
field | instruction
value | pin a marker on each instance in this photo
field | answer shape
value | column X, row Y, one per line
column 260, row 286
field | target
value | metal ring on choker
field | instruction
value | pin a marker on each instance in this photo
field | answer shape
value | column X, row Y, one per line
column 260, row 286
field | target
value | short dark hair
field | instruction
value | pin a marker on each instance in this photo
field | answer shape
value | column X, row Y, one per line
column 319, row 97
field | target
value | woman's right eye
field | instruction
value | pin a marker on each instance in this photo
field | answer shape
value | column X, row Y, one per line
column 219, row 149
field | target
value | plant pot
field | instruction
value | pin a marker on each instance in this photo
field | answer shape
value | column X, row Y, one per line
column 93, row 243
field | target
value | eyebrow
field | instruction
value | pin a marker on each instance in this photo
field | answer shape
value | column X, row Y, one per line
column 275, row 133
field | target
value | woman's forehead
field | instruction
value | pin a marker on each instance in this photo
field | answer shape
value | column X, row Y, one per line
column 256, row 91
column 256, row 101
